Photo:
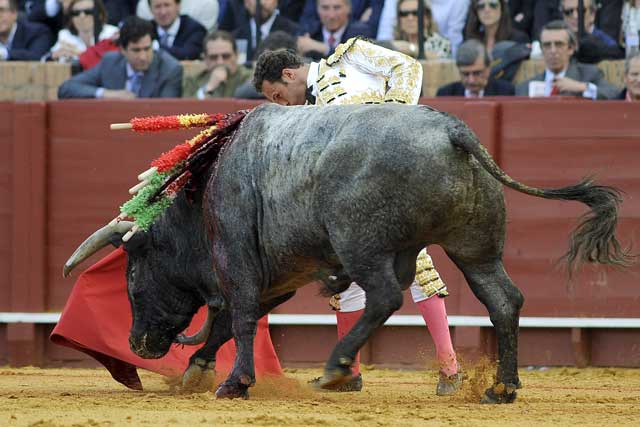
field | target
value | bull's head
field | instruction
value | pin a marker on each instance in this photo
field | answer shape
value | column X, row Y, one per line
column 169, row 276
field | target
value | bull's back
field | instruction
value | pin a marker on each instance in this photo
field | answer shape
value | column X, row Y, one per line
column 309, row 167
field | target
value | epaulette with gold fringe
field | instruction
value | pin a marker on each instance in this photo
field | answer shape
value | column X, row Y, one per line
column 343, row 48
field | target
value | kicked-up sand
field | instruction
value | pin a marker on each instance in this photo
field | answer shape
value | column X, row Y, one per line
column 90, row 397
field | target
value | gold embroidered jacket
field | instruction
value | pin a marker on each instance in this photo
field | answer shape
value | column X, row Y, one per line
column 359, row 72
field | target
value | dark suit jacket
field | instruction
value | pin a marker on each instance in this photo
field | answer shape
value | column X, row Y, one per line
column 30, row 42
column 279, row 24
column 493, row 88
column 580, row 72
column 353, row 29
column 163, row 79
column 188, row 41
column 310, row 19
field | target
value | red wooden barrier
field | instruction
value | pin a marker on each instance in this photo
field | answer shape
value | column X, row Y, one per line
column 63, row 174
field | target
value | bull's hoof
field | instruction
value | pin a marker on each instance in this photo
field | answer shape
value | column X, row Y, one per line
column 229, row 390
column 199, row 377
column 352, row 384
column 500, row 393
column 334, row 378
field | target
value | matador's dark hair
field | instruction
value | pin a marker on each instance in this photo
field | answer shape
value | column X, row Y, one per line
column 270, row 65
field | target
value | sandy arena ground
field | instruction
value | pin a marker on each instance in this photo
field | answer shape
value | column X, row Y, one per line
column 89, row 397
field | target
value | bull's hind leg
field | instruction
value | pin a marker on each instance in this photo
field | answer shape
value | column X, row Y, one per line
column 379, row 281
column 493, row 287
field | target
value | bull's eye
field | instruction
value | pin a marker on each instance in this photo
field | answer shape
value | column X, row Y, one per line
column 132, row 273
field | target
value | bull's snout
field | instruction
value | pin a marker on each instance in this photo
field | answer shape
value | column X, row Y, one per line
column 138, row 344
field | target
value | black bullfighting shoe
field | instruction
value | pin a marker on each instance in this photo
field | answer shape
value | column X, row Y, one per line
column 449, row 385
column 354, row 384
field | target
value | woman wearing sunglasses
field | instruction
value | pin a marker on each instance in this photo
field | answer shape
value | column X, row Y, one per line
column 86, row 25
column 490, row 22
column 435, row 46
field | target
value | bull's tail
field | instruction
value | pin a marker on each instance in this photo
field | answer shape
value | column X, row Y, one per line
column 593, row 240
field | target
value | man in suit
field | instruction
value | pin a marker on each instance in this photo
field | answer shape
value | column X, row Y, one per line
column 180, row 35
column 136, row 71
column 473, row 62
column 270, row 20
column 21, row 40
column 563, row 76
column 595, row 45
column 333, row 29
column 631, row 91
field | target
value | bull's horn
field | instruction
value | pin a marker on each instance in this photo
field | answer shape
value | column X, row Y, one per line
column 203, row 333
column 94, row 243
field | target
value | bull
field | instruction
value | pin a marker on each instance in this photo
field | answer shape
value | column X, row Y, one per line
column 344, row 193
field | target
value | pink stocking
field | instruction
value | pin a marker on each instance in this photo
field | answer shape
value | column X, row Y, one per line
column 435, row 314
column 346, row 321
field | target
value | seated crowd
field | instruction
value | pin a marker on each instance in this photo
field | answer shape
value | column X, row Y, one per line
column 133, row 48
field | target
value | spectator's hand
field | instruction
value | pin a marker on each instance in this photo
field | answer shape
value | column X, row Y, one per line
column 118, row 94
column 307, row 44
column 405, row 47
column 66, row 50
column 565, row 84
column 218, row 75
column 366, row 15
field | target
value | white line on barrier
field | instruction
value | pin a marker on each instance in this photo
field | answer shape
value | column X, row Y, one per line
column 395, row 320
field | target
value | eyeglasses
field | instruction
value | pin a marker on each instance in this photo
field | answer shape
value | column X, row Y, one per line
column 215, row 56
column 558, row 44
column 78, row 12
column 492, row 4
column 405, row 13
column 474, row 73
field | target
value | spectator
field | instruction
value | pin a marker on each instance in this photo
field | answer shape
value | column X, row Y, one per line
column 334, row 28
column 270, row 20
column 608, row 16
column 48, row 12
column 451, row 15
column 86, row 25
column 544, row 11
column 435, row 46
column 134, row 72
column 474, row 66
column 21, row 40
column 203, row 11
column 631, row 26
column 595, row 45
column 274, row 41
column 365, row 12
column 563, row 76
column 522, row 15
column 117, row 10
column 179, row 35
column 631, row 92
column 223, row 75
column 490, row 21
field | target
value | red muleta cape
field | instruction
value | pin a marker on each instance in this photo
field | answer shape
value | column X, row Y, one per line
column 97, row 317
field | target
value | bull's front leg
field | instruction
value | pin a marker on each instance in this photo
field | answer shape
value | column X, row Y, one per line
column 200, row 374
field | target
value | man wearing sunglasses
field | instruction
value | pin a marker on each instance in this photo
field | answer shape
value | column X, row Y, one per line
column 595, row 44
column 136, row 71
column 473, row 64
column 222, row 75
column 564, row 76
column 21, row 40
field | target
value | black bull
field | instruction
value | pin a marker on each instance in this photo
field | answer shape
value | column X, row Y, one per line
column 348, row 192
